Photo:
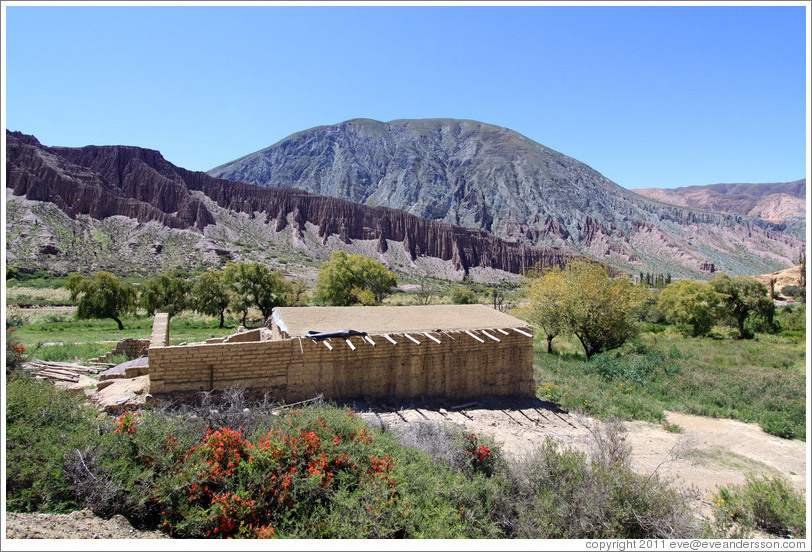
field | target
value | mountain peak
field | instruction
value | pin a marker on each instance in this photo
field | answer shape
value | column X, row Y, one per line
column 473, row 174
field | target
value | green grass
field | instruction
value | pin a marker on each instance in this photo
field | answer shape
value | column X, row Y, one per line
column 63, row 328
column 760, row 380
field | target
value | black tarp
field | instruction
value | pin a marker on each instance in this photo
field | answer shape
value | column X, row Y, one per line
column 319, row 336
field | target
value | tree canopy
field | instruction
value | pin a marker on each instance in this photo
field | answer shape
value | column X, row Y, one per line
column 353, row 280
column 209, row 295
column 545, row 296
column 692, row 305
column 743, row 297
column 102, row 295
column 586, row 301
column 164, row 293
column 254, row 284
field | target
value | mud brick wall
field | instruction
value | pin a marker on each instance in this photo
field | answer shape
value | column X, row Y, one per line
column 131, row 347
column 296, row 369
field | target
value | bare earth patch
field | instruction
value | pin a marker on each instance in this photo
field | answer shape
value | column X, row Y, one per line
column 76, row 525
column 707, row 453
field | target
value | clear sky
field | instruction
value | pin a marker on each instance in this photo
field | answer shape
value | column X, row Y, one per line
column 650, row 96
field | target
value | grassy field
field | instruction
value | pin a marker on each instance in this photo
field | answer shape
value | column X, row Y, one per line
column 761, row 380
column 58, row 336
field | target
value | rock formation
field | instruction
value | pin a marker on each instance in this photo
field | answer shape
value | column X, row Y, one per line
column 105, row 181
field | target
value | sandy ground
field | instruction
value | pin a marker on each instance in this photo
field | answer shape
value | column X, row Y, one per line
column 707, row 453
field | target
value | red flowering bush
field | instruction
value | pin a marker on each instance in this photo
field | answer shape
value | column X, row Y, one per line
column 15, row 351
column 230, row 486
column 126, row 423
column 479, row 456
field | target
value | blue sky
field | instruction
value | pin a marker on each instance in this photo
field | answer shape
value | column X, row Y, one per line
column 650, row 96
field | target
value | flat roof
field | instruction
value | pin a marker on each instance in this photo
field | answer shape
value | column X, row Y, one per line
column 297, row 321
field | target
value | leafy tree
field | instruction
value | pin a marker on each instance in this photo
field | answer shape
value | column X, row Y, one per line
column 210, row 295
column 743, row 297
column 256, row 286
column 353, row 279
column 463, row 296
column 164, row 293
column 592, row 305
column 545, row 297
column 102, row 295
column 692, row 305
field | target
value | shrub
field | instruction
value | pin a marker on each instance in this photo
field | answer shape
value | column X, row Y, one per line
column 44, row 428
column 560, row 493
column 766, row 503
column 463, row 296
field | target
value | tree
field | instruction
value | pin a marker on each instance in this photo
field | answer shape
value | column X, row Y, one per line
column 210, row 295
column 256, row 286
column 692, row 305
column 463, row 296
column 426, row 290
column 164, row 293
column 101, row 296
column 592, row 305
column 545, row 297
column 353, row 280
column 743, row 297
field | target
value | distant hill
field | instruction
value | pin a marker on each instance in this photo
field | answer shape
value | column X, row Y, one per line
column 779, row 202
column 474, row 174
column 128, row 210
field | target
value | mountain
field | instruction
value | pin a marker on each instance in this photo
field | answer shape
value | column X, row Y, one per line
column 128, row 210
column 478, row 175
column 779, row 202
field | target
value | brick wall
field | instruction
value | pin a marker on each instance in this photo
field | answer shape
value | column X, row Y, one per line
column 133, row 348
column 290, row 370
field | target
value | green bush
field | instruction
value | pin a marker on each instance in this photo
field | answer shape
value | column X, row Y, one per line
column 561, row 493
column 463, row 296
column 44, row 429
column 768, row 503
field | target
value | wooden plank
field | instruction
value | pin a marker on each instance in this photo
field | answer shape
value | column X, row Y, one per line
column 432, row 337
column 522, row 332
column 390, row 339
column 475, row 336
column 465, row 405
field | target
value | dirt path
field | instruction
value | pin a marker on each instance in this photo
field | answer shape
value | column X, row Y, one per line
column 707, row 453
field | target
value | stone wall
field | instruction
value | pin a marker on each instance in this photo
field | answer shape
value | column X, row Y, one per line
column 460, row 366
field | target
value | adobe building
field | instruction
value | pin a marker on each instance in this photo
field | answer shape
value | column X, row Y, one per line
column 453, row 351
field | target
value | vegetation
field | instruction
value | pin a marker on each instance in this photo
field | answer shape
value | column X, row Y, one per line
column 353, row 280
column 210, row 295
column 101, row 296
column 667, row 371
column 767, row 503
column 85, row 339
column 744, row 298
column 592, row 305
column 231, row 469
column 463, row 296
column 254, row 285
column 545, row 296
column 164, row 293
column 692, row 305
